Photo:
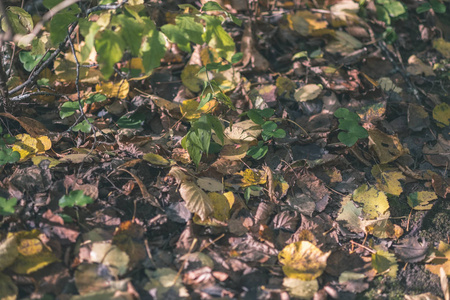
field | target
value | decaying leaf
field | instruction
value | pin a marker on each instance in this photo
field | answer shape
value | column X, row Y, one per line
column 442, row 260
column 156, row 159
column 190, row 110
column 388, row 179
column 302, row 260
column 349, row 216
column 308, row 92
column 411, row 249
column 197, row 201
column 384, row 262
column 439, row 154
column 387, row 147
column 221, row 210
column 417, row 67
column 8, row 290
column 210, row 184
column 421, row 200
column 118, row 90
column 189, row 77
column 300, row 288
column 251, row 177
column 374, row 202
column 245, row 131
column 28, row 146
column 8, row 251
column 441, row 113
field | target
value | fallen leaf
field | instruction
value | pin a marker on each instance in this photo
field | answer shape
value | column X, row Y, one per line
column 118, row 90
column 308, row 92
column 387, row 147
column 417, row 67
column 28, row 146
column 384, row 262
column 411, row 249
column 374, row 202
column 388, row 179
column 441, row 113
column 439, row 154
column 8, row 290
column 442, row 46
column 197, row 201
column 210, row 184
column 190, row 110
column 251, row 56
column 442, row 260
column 245, row 131
column 421, row 200
column 300, row 288
column 250, row 177
column 189, row 77
column 302, row 260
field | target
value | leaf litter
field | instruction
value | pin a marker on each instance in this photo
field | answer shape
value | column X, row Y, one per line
column 345, row 210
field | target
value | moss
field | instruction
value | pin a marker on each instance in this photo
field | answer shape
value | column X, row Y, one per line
column 436, row 225
column 383, row 288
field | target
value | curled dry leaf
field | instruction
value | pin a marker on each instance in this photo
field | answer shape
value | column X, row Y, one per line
column 197, row 201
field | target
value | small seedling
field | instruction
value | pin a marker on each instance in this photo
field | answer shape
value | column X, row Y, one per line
column 7, row 155
column 269, row 130
column 349, row 122
column 75, row 198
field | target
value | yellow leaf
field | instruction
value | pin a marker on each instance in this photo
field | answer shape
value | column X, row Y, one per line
column 442, row 46
column 421, row 200
column 190, row 110
column 285, row 86
column 250, row 177
column 443, row 260
column 374, row 202
column 52, row 161
column 114, row 90
column 388, row 179
column 441, row 113
column 28, row 146
column 387, row 147
column 385, row 262
column 307, row 23
column 156, row 159
column 32, row 253
column 303, row 260
column 221, row 210
column 8, row 251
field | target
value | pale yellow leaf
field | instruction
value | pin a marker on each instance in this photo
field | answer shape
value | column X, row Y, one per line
column 374, row 201
column 114, row 90
column 197, row 201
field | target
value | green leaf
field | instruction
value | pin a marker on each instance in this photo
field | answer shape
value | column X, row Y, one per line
column 267, row 112
column 383, row 15
column 178, row 36
column 153, row 47
column 194, row 151
column 68, row 108
column 76, row 197
column 30, row 61
column 438, row 6
column 8, row 156
column 259, row 151
column 109, row 46
column 358, row 131
column 73, row 9
column 269, row 126
column 95, row 98
column 216, row 126
column 212, row 6
column 59, row 26
column 7, row 206
column 237, row 57
column 192, row 28
column 279, row 133
column 89, row 31
column 218, row 38
column 395, row 8
column 133, row 120
column 346, row 124
column 222, row 98
column 424, row 7
column 20, row 20
column 204, row 100
column 347, row 139
column 255, row 116
column 131, row 32
column 341, row 113
column 83, row 126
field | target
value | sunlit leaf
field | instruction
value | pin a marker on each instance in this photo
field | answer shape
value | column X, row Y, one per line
column 442, row 260
column 441, row 113
column 308, row 92
column 197, row 201
column 302, row 260
column 156, row 159
column 385, row 262
column 388, row 179
column 251, row 177
column 28, row 146
column 109, row 46
column 374, row 201
column 190, row 110
column 301, row 289
column 421, row 200
column 114, row 90
column 189, row 77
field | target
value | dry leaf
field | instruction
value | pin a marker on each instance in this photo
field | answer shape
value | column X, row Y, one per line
column 197, row 201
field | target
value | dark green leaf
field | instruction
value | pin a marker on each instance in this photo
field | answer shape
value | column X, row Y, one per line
column 131, row 32
column 279, row 133
column 59, row 26
column 109, row 46
column 76, row 197
column 68, row 108
column 30, row 61
column 132, row 120
column 237, row 57
column 266, row 112
column 255, row 116
column 83, row 126
column 424, row 7
column 178, row 36
column 269, row 126
column 8, row 156
column 193, row 29
column 212, row 6
column 216, row 126
column 7, row 206
column 341, row 113
column 347, row 139
column 438, row 6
